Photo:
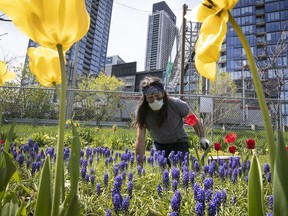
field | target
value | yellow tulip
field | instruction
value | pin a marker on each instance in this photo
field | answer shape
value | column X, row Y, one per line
column 49, row 23
column 5, row 75
column 45, row 65
column 214, row 16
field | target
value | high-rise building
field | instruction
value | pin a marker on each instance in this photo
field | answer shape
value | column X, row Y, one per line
column 162, row 31
column 90, row 53
column 265, row 25
column 88, row 56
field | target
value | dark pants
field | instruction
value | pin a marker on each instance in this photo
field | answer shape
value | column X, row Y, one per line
column 177, row 146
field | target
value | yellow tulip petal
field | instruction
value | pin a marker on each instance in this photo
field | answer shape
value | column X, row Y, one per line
column 212, row 34
column 207, row 70
column 5, row 75
column 49, row 22
column 45, row 65
column 199, row 14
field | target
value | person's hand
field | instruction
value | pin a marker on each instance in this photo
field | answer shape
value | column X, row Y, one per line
column 204, row 143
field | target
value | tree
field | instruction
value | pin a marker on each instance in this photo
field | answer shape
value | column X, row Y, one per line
column 223, row 88
column 273, row 71
column 224, row 85
column 98, row 98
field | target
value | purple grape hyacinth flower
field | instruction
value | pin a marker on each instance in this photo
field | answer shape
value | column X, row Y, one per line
column 174, row 185
column 268, row 177
column 175, row 173
column 234, row 200
column 106, row 176
column 200, row 195
column 271, row 200
column 185, row 179
column 130, row 176
column 117, row 202
column 196, row 186
column 208, row 183
column 126, row 203
column 191, row 177
column 208, row 195
column 159, row 190
column 92, row 179
column 108, row 212
column 199, row 209
column 196, row 166
column 212, row 208
column 20, row 159
column 176, row 201
column 98, row 189
column 165, row 178
column 116, row 169
column 266, row 168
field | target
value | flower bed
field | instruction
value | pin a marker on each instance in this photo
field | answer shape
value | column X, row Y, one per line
column 112, row 183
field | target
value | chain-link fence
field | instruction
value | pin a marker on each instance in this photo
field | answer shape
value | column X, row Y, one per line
column 39, row 106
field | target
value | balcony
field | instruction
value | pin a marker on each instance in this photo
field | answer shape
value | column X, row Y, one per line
column 223, row 48
column 260, row 22
column 259, row 12
column 222, row 59
column 259, row 2
column 260, row 42
column 260, row 31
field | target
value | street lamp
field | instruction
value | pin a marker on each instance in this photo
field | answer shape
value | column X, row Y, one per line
column 244, row 65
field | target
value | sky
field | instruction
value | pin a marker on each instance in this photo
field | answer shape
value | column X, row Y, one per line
column 128, row 31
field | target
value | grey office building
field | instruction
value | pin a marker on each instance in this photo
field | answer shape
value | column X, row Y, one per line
column 162, row 31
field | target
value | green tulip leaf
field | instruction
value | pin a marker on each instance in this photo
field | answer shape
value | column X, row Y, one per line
column 10, row 206
column 74, row 162
column 71, row 205
column 9, row 137
column 280, row 179
column 7, row 169
column 44, row 197
column 255, row 189
column 152, row 212
column 16, row 177
column 196, row 151
column 22, row 211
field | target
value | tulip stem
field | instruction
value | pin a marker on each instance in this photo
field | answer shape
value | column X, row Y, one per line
column 60, row 142
column 259, row 90
column 56, row 89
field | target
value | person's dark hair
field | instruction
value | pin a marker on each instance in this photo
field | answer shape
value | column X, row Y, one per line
column 143, row 106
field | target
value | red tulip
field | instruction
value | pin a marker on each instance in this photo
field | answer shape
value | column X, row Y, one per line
column 250, row 143
column 217, row 146
column 286, row 148
column 230, row 138
column 190, row 120
column 232, row 149
column 2, row 141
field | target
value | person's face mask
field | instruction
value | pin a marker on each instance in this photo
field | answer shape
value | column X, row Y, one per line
column 156, row 105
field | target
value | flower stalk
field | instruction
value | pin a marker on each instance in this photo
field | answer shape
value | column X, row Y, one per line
column 61, row 128
column 259, row 90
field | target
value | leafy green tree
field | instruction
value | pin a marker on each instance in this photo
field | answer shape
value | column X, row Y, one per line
column 224, row 85
column 223, row 109
column 98, row 99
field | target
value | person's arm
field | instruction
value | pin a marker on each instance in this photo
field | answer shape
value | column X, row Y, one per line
column 200, row 131
column 140, row 144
